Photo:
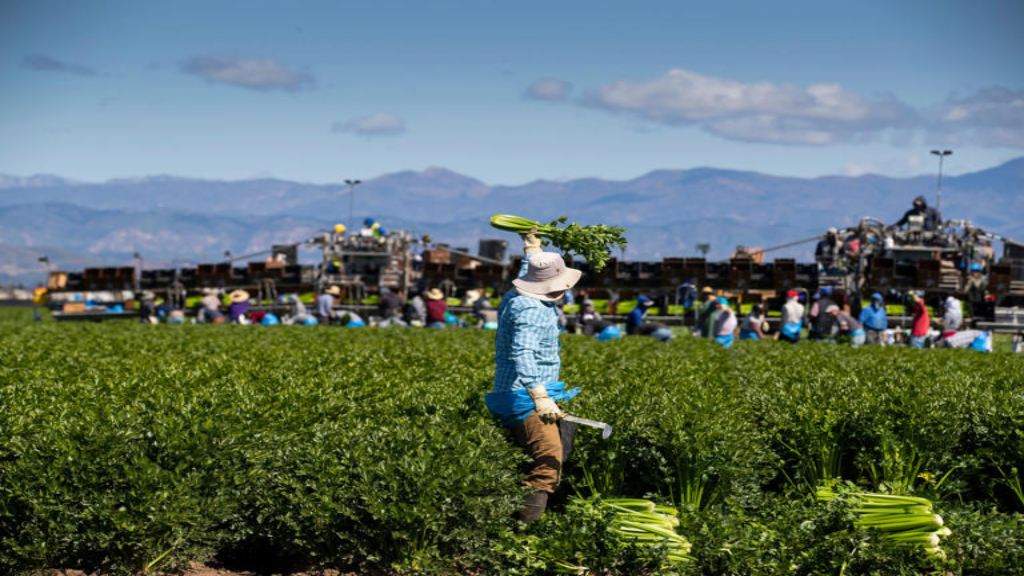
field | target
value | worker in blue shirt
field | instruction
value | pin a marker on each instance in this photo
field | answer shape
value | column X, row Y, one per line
column 635, row 320
column 874, row 319
column 527, row 366
column 637, row 325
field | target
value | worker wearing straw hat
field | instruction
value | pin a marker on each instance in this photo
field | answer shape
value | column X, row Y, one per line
column 325, row 304
column 527, row 365
column 238, row 307
column 437, row 308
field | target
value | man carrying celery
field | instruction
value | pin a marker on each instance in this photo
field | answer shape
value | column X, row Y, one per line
column 527, row 366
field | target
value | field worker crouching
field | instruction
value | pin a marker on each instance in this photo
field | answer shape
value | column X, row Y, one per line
column 753, row 326
column 636, row 323
column 848, row 326
column 239, row 307
column 725, row 323
column 527, row 367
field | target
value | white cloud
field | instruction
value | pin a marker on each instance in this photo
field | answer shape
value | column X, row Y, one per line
column 249, row 73
column 551, row 89
column 992, row 116
column 755, row 112
column 378, row 124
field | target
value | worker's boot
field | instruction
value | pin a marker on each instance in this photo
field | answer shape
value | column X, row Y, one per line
column 533, row 507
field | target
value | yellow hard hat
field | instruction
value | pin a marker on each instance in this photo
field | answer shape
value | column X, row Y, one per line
column 339, row 228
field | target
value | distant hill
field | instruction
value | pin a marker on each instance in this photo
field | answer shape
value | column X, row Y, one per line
column 667, row 212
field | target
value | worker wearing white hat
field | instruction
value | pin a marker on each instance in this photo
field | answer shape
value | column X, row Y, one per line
column 527, row 365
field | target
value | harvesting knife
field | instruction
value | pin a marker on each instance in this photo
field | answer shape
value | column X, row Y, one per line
column 606, row 429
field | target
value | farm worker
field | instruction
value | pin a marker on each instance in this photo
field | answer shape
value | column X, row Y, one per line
column 688, row 293
column 725, row 323
column 847, row 325
column 638, row 326
column 952, row 314
column 792, row 322
column 297, row 313
column 822, row 323
column 708, row 313
column 239, row 306
column 527, row 366
column 975, row 339
column 921, row 321
column 415, row 310
column 875, row 320
column 147, row 311
column 352, row 320
column 932, row 217
column 826, row 253
column 209, row 306
column 753, row 324
column 486, row 315
column 437, row 308
column 390, row 305
column 590, row 319
column 325, row 304
column 635, row 320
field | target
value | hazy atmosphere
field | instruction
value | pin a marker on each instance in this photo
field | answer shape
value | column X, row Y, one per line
column 449, row 110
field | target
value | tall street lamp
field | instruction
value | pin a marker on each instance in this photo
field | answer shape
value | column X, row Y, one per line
column 352, row 202
column 138, row 270
column 941, row 154
column 37, row 315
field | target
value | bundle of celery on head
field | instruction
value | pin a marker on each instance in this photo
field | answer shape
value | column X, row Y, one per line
column 527, row 365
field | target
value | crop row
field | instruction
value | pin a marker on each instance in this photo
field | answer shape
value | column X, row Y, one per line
column 133, row 448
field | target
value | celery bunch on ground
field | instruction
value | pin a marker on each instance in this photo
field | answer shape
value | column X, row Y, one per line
column 642, row 522
column 907, row 520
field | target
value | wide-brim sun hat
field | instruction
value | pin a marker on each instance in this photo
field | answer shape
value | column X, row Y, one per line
column 434, row 294
column 333, row 291
column 239, row 296
column 547, row 277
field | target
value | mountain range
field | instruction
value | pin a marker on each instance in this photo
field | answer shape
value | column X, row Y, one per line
column 172, row 220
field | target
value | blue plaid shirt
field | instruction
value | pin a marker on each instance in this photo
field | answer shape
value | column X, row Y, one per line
column 526, row 347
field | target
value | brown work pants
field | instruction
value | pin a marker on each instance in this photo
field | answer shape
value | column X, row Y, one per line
column 543, row 444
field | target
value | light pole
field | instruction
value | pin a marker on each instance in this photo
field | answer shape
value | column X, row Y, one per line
column 138, row 270
column 941, row 154
column 37, row 315
column 352, row 203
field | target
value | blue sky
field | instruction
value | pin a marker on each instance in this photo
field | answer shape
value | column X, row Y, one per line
column 507, row 92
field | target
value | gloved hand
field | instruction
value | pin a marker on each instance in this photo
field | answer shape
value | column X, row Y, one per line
column 531, row 243
column 547, row 410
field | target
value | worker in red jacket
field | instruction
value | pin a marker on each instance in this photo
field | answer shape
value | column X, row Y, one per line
column 922, row 322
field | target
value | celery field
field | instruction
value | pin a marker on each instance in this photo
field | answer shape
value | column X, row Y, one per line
column 128, row 448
